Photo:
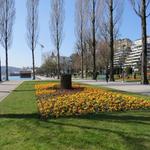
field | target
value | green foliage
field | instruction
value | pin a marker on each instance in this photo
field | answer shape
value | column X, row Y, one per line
column 128, row 70
column 49, row 66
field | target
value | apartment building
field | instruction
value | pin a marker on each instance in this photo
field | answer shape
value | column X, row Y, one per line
column 134, row 57
column 122, row 50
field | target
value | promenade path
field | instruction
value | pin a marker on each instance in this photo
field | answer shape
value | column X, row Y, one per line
column 133, row 87
column 7, row 87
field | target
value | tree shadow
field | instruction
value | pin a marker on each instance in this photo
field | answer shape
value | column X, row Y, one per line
column 32, row 90
column 132, row 140
column 115, row 117
column 20, row 116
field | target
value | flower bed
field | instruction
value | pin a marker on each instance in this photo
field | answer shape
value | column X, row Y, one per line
column 52, row 101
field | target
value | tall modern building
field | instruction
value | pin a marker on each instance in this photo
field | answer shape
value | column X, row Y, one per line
column 122, row 50
column 134, row 58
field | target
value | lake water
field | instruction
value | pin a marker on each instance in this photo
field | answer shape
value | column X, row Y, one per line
column 17, row 78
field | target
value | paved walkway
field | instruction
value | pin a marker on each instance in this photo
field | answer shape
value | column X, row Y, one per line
column 133, row 87
column 45, row 78
column 7, row 87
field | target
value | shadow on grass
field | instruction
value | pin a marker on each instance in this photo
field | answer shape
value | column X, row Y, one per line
column 32, row 90
column 132, row 140
column 20, row 116
column 115, row 117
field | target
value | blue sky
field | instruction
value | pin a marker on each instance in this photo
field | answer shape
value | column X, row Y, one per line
column 20, row 54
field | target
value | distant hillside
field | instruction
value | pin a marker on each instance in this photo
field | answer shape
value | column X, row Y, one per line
column 11, row 69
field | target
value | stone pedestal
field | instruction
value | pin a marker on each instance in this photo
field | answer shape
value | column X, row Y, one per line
column 66, row 82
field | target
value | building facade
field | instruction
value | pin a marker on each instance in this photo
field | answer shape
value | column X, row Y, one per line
column 122, row 50
column 134, row 58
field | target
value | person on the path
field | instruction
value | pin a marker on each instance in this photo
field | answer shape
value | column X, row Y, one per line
column 107, row 77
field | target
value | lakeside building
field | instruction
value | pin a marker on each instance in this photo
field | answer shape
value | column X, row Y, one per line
column 134, row 58
column 122, row 50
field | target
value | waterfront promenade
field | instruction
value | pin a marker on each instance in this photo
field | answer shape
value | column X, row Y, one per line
column 133, row 87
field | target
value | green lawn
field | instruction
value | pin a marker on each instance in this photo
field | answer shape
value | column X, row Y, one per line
column 20, row 128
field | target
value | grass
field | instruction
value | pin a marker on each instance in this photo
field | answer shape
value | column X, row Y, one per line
column 20, row 127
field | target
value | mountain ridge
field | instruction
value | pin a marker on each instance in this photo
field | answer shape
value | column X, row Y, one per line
column 11, row 69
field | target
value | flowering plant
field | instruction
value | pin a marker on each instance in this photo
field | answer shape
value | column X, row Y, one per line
column 83, row 100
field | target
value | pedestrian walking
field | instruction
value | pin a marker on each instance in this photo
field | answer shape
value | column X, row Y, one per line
column 107, row 77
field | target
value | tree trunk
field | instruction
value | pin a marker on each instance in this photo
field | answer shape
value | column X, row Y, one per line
column 33, row 63
column 33, row 40
column 6, row 41
column 94, row 42
column 82, row 68
column 111, row 42
column 86, row 64
column 58, row 63
column 58, row 53
column 144, row 45
column 81, row 36
column 6, row 50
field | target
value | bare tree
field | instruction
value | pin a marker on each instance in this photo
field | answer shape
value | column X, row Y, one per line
column 88, row 50
column 141, row 9
column 7, row 20
column 79, row 13
column 110, row 27
column 87, row 56
column 81, row 26
column 32, row 28
column 1, row 19
column 56, row 27
column 94, row 11
column 1, row 31
column 75, row 58
column 103, row 54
